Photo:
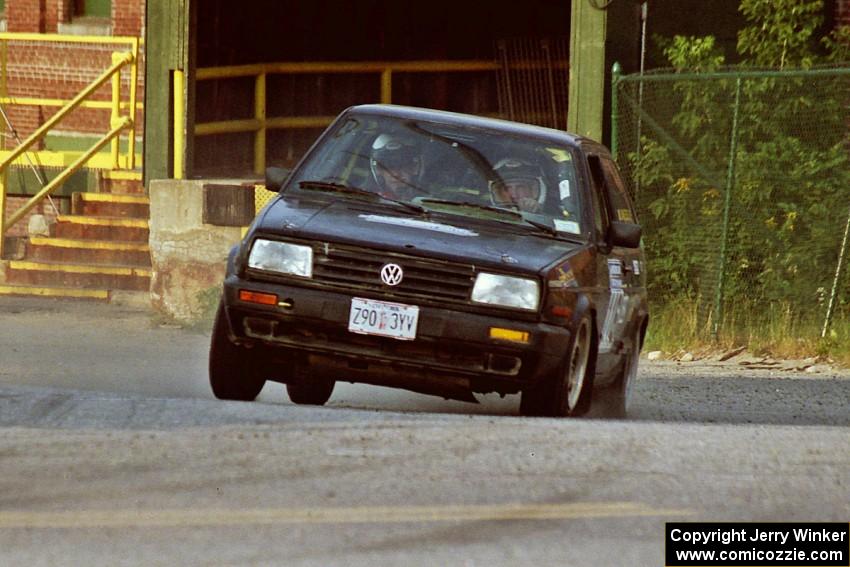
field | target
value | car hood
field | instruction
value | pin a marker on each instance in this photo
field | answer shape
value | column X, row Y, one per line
column 390, row 227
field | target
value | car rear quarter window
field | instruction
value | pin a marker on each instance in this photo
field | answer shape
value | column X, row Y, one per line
column 621, row 205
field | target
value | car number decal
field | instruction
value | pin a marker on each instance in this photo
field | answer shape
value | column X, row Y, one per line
column 614, row 318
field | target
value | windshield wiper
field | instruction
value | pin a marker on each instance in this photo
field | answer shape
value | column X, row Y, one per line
column 508, row 212
column 470, row 205
column 543, row 226
column 338, row 187
column 342, row 188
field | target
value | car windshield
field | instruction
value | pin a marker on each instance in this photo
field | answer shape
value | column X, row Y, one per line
column 448, row 169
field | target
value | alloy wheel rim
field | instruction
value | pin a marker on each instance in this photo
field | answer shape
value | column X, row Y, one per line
column 578, row 367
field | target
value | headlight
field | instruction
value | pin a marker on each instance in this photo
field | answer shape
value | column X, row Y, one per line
column 281, row 257
column 507, row 291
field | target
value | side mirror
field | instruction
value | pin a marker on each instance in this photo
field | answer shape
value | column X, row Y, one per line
column 275, row 177
column 624, row 234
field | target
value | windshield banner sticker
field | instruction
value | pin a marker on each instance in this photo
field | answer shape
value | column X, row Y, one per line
column 424, row 225
column 567, row 226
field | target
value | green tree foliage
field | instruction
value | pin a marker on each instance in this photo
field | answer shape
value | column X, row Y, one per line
column 791, row 187
column 781, row 32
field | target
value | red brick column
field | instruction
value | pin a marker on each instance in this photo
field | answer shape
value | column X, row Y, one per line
column 128, row 17
column 26, row 16
column 56, row 12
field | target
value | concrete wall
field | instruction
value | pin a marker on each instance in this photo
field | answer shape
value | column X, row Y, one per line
column 187, row 256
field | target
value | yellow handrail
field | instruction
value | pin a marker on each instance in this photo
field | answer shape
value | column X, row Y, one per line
column 260, row 123
column 60, row 38
column 65, row 110
column 31, row 101
column 118, row 123
column 134, row 86
column 313, row 67
column 179, row 122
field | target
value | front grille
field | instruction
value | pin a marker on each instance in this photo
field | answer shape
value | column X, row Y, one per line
column 356, row 268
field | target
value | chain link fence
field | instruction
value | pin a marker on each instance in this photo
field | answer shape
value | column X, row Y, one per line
column 742, row 183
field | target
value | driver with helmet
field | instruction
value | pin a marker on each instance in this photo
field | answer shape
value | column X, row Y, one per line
column 396, row 167
column 518, row 185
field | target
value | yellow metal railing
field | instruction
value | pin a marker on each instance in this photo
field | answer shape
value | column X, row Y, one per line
column 260, row 123
column 118, row 123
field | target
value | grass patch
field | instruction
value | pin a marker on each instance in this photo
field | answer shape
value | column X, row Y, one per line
column 778, row 331
column 207, row 301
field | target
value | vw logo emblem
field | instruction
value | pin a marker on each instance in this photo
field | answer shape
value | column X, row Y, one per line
column 392, row 274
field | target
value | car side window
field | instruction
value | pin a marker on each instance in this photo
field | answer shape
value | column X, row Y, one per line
column 601, row 214
column 621, row 206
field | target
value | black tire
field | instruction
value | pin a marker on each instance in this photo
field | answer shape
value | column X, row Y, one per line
column 236, row 373
column 534, row 402
column 310, row 391
column 611, row 402
column 565, row 394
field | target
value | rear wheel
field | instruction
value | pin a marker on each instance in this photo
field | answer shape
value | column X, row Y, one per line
column 566, row 393
column 236, row 373
column 310, row 391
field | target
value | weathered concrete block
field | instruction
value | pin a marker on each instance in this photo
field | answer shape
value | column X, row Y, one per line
column 38, row 226
column 188, row 257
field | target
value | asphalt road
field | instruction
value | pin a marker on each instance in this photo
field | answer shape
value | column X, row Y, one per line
column 113, row 452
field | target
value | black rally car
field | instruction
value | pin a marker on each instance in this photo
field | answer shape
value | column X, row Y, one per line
column 441, row 253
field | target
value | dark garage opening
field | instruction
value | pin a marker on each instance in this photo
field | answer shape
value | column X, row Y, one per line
column 356, row 32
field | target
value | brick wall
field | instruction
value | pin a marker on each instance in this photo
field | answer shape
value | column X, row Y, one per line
column 60, row 71
column 26, row 15
column 43, row 208
column 128, row 17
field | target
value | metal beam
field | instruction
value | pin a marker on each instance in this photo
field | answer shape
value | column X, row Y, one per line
column 166, row 51
column 587, row 68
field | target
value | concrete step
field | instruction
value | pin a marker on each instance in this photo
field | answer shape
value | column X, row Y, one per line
column 87, row 276
column 111, row 205
column 121, row 182
column 89, row 251
column 56, row 292
column 101, row 228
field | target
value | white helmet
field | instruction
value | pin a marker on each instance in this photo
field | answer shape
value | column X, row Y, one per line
column 517, row 180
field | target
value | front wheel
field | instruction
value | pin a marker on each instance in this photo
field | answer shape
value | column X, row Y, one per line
column 566, row 394
column 235, row 372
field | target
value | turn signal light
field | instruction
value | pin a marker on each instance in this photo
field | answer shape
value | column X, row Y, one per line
column 508, row 335
column 561, row 311
column 257, row 297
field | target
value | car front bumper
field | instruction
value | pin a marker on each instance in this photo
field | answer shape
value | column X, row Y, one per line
column 453, row 349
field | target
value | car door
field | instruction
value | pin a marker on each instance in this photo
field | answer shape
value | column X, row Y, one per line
column 620, row 269
column 632, row 260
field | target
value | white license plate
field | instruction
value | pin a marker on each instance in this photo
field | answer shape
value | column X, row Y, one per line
column 396, row 320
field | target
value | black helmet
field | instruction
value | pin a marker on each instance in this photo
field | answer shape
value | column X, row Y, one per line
column 393, row 153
